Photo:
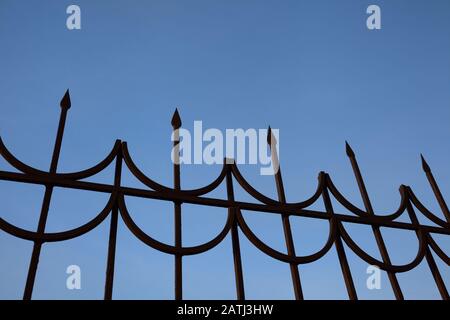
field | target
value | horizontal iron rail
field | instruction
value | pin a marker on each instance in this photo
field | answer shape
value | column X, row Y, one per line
column 214, row 202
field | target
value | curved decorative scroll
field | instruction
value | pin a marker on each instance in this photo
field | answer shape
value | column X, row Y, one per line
column 155, row 244
column 387, row 267
column 19, row 165
column 362, row 213
column 281, row 256
column 441, row 254
column 161, row 188
column 427, row 213
column 60, row 236
column 342, row 200
column 266, row 200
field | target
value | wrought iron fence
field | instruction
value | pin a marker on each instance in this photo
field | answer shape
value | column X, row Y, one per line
column 116, row 206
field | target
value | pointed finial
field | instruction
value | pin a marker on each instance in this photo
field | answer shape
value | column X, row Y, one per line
column 425, row 165
column 176, row 120
column 65, row 101
column 349, row 150
column 271, row 137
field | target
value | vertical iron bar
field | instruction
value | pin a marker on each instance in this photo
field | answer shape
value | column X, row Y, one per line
column 295, row 275
column 428, row 255
column 34, row 261
column 436, row 190
column 176, row 124
column 178, row 257
column 113, row 231
column 437, row 275
column 240, row 292
column 376, row 229
column 349, row 284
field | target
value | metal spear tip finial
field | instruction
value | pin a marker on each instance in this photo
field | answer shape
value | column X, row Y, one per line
column 271, row 139
column 425, row 165
column 349, row 150
column 65, row 101
column 176, row 120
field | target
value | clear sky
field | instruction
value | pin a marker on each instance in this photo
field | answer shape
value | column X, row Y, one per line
column 312, row 69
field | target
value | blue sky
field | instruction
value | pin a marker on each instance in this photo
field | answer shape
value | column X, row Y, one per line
column 309, row 68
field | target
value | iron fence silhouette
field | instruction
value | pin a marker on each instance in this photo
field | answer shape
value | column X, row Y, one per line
column 235, row 223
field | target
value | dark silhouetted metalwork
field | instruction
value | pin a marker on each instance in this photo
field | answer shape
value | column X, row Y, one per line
column 235, row 222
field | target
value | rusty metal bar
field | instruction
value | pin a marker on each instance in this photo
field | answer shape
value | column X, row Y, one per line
column 295, row 274
column 239, row 278
column 349, row 284
column 113, row 233
column 437, row 275
column 37, row 246
column 440, row 284
column 436, row 190
column 176, row 124
column 376, row 229
column 214, row 202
